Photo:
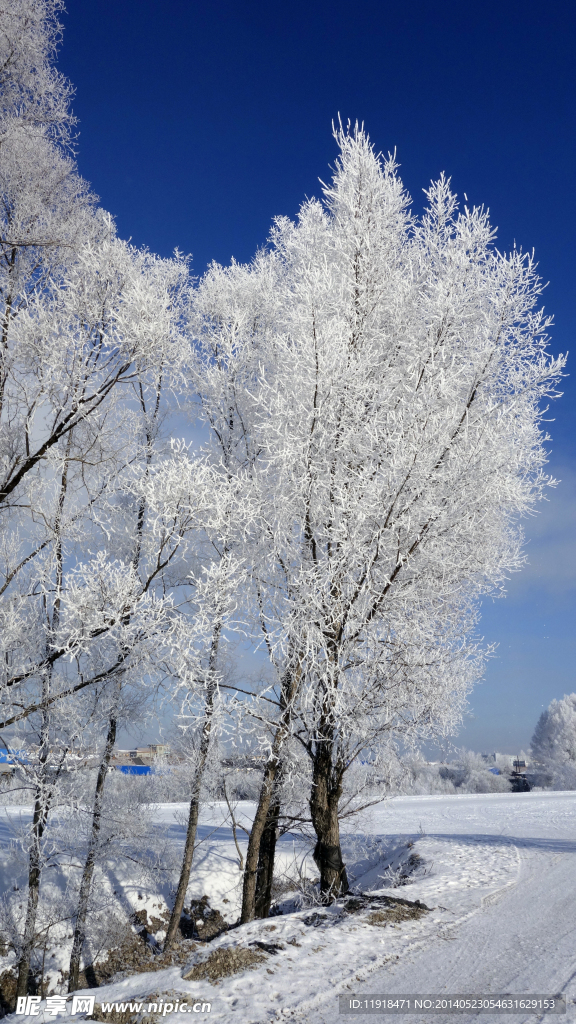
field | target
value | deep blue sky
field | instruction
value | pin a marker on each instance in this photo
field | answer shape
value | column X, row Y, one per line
column 201, row 121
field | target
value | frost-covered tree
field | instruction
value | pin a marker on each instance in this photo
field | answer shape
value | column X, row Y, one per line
column 394, row 369
column 35, row 95
column 91, row 342
column 68, row 431
column 114, row 566
column 554, row 737
column 86, row 319
column 47, row 210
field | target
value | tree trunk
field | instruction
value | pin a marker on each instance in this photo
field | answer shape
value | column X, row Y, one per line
column 87, row 874
column 184, row 880
column 289, row 689
column 190, row 835
column 324, row 799
column 41, row 808
column 266, row 854
column 257, row 831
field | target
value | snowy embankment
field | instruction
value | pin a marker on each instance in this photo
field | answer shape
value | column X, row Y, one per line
column 498, row 872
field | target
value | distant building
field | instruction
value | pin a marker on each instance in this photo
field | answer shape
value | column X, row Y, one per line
column 139, row 761
column 159, row 749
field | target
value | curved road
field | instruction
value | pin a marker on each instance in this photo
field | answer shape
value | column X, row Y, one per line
column 520, row 937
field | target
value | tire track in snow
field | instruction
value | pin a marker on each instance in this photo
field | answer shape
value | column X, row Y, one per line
column 499, row 894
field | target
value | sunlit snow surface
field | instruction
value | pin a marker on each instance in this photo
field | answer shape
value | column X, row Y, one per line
column 499, row 871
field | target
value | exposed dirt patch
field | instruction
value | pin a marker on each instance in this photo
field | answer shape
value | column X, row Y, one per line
column 224, row 962
column 268, row 947
column 151, row 924
column 7, row 992
column 370, row 901
column 316, row 920
column 385, row 909
column 135, row 956
column 393, row 915
column 200, row 921
column 396, row 913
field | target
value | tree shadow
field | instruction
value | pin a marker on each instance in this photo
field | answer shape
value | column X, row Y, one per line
column 547, row 845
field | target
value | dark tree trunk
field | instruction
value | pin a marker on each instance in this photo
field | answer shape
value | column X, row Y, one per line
column 191, row 830
column 266, row 855
column 268, row 791
column 324, row 800
column 257, row 831
column 87, row 874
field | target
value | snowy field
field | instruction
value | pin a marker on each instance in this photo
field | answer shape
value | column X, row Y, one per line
column 497, row 870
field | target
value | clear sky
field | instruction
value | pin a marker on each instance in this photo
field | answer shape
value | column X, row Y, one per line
column 200, row 121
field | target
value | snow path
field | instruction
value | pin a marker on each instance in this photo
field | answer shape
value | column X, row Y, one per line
column 522, row 936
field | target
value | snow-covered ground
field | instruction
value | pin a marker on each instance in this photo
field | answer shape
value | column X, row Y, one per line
column 498, row 871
